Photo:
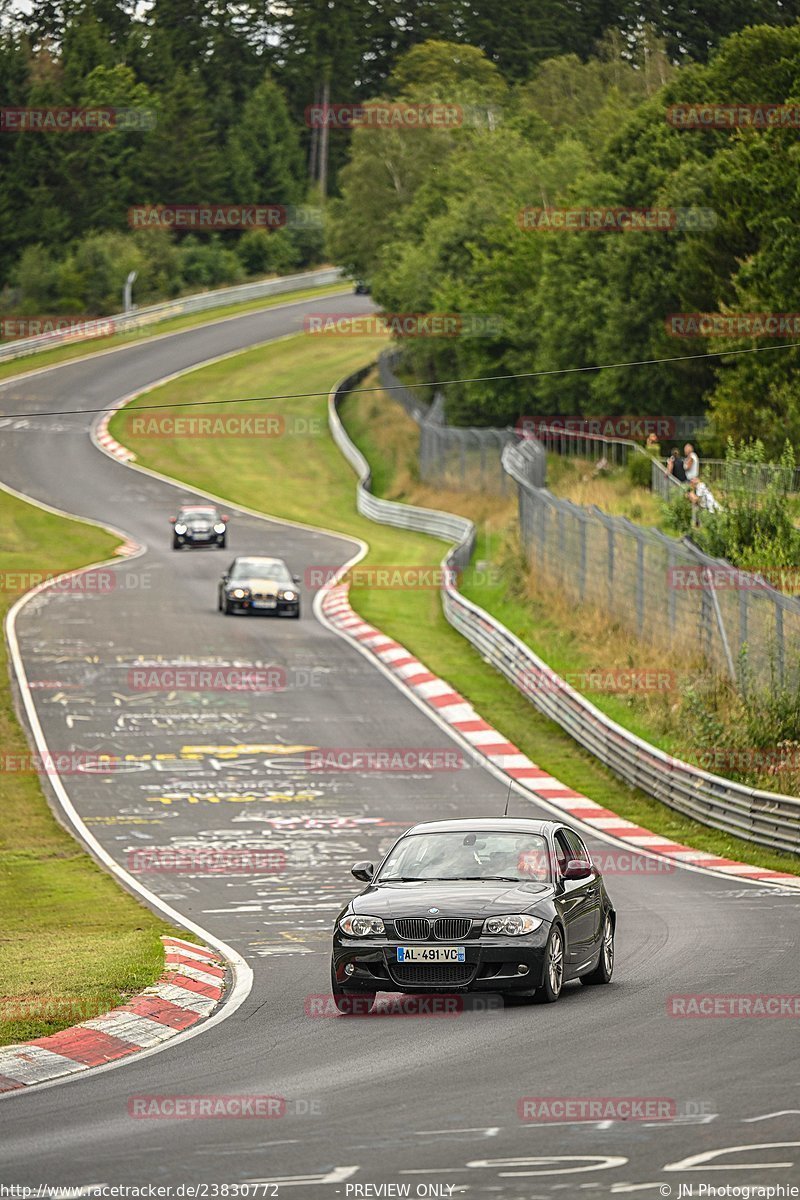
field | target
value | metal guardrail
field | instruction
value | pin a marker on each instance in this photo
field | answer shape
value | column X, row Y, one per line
column 448, row 526
column 201, row 302
column 767, row 818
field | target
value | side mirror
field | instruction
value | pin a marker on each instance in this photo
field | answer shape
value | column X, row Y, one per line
column 576, row 868
column 363, row 871
column 224, row 520
column 225, row 577
column 295, row 578
column 172, row 520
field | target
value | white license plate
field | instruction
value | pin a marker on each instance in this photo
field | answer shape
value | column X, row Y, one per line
column 265, row 604
column 437, row 954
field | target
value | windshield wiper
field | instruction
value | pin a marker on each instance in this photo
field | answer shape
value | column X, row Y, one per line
column 402, row 879
column 477, row 878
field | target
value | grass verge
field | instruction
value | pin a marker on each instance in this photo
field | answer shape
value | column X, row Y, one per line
column 308, row 480
column 72, row 942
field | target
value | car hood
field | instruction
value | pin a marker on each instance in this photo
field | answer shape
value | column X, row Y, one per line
column 472, row 898
column 259, row 584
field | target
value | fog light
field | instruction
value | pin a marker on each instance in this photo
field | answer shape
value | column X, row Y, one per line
column 522, row 969
column 349, row 969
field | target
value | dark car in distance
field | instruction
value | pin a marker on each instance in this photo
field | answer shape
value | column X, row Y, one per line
column 257, row 583
column 500, row 904
column 199, row 525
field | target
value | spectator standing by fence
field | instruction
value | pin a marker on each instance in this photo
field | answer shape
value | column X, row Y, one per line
column 675, row 466
column 691, row 463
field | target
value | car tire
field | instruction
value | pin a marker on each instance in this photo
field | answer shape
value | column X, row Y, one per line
column 351, row 1004
column 605, row 964
column 295, row 615
column 553, row 981
column 176, row 545
column 221, row 545
column 227, row 608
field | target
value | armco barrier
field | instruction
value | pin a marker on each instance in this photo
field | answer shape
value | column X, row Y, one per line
column 141, row 317
column 768, row 818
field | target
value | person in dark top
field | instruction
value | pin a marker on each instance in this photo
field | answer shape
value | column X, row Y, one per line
column 675, row 467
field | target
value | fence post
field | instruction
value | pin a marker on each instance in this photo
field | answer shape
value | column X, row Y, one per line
column 779, row 642
column 583, row 521
column 671, row 590
column 639, row 582
column 743, row 602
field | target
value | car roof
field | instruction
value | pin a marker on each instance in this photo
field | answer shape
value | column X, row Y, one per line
column 273, row 558
column 485, row 825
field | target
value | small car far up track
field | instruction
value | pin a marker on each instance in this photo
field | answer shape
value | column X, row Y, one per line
column 199, row 525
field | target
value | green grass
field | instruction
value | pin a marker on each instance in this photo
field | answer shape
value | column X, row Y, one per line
column 72, row 942
column 307, row 479
column 50, row 358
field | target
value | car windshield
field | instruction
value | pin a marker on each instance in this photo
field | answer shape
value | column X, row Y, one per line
column 261, row 568
column 480, row 855
column 198, row 514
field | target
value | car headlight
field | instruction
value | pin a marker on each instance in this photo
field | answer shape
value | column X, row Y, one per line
column 361, row 926
column 180, row 529
column 290, row 595
column 512, row 924
column 219, row 528
column 240, row 593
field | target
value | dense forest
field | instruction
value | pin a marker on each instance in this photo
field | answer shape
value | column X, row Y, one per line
column 563, row 103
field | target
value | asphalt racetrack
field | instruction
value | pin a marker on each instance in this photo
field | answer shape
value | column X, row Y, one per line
column 426, row 1105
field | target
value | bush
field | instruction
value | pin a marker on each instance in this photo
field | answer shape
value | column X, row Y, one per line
column 640, row 467
column 755, row 530
column 262, row 252
column 208, row 264
column 679, row 508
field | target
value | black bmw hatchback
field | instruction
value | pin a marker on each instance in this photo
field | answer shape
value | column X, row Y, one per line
column 502, row 904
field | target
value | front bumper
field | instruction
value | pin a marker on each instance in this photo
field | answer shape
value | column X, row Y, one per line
column 282, row 608
column 493, row 964
column 190, row 539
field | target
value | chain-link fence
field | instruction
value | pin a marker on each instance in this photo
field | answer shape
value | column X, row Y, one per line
column 660, row 589
column 453, row 456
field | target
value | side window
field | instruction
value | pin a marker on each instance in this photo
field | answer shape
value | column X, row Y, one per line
column 563, row 852
column 576, row 847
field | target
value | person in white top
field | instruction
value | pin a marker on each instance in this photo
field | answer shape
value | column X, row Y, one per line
column 701, row 496
column 691, row 463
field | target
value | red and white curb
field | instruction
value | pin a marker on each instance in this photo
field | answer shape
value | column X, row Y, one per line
column 488, row 743
column 190, row 989
column 110, row 444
